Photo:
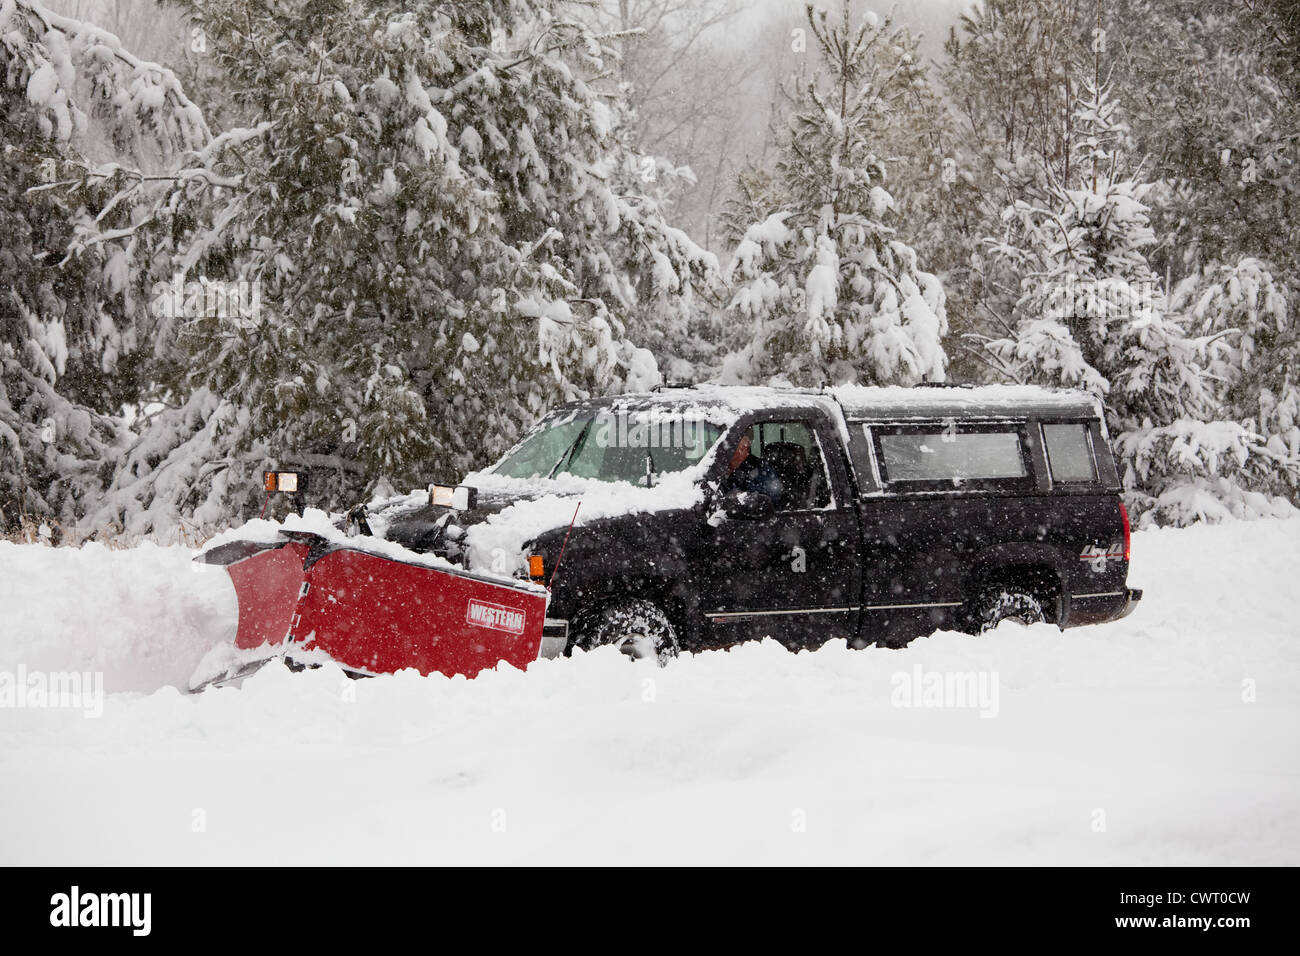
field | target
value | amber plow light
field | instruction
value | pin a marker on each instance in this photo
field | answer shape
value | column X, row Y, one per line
column 290, row 481
column 536, row 567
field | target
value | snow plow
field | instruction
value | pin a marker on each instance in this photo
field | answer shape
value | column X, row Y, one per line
column 305, row 598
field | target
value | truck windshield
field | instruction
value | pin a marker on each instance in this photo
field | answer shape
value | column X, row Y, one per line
column 611, row 445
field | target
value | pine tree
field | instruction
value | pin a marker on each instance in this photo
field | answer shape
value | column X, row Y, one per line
column 822, row 282
column 1213, row 85
column 433, row 212
column 1094, row 315
column 1007, row 74
column 1243, row 317
column 73, row 346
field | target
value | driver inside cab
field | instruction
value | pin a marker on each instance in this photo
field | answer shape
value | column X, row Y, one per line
column 748, row 472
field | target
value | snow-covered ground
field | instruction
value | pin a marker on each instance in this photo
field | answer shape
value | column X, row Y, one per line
column 1169, row 738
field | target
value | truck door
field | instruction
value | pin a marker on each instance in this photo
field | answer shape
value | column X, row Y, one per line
column 943, row 492
column 795, row 575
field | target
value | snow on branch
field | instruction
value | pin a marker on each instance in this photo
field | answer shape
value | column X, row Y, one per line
column 48, row 55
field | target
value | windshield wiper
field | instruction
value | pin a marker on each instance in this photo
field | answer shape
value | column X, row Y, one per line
column 571, row 452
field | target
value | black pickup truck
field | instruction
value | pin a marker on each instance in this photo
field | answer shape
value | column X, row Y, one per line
column 710, row 515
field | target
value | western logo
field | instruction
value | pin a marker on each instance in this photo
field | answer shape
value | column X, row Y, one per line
column 498, row 617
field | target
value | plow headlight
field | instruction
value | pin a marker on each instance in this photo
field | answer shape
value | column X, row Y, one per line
column 290, row 481
column 457, row 497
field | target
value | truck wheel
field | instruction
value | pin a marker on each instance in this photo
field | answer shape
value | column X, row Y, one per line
column 637, row 628
column 999, row 604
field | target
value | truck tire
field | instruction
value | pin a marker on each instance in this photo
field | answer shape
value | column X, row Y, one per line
column 638, row 628
column 1005, row 603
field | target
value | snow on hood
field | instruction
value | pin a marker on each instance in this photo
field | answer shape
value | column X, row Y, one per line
column 549, row 503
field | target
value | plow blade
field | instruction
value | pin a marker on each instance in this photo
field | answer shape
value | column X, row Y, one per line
column 372, row 614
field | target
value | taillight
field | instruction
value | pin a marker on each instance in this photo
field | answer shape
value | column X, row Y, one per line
column 1123, row 513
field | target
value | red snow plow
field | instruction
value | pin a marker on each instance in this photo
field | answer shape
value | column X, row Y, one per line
column 302, row 595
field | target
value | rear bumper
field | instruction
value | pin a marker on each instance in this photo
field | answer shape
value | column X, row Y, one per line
column 1098, row 607
column 1131, row 600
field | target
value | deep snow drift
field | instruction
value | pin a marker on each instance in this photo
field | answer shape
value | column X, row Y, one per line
column 1169, row 738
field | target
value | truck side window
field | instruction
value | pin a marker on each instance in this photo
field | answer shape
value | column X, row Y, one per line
column 935, row 456
column 790, row 451
column 1069, row 452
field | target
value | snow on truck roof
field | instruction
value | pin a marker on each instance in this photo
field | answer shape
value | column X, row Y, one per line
column 876, row 401
column 863, row 401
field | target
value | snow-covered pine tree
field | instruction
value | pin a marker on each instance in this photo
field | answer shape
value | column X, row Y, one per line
column 1006, row 74
column 1251, row 345
column 1218, row 86
column 1080, row 252
column 1094, row 315
column 431, row 213
column 663, row 316
column 826, row 289
column 1212, row 90
column 78, row 112
column 1242, row 317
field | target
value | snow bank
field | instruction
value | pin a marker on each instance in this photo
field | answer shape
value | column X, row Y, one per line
column 1168, row 738
column 144, row 616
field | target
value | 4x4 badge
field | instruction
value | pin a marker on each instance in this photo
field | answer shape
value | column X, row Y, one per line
column 1097, row 556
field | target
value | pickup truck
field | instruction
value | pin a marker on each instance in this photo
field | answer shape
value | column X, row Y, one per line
column 698, row 517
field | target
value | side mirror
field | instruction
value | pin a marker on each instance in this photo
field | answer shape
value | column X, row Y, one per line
column 748, row 505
